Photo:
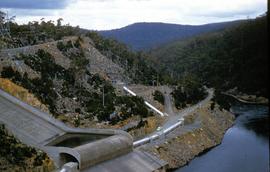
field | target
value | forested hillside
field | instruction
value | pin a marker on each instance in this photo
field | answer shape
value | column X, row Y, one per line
column 36, row 33
column 78, row 75
column 142, row 36
column 236, row 57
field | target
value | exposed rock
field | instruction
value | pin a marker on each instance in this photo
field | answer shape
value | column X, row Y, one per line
column 104, row 66
column 151, row 125
column 245, row 98
column 186, row 142
column 98, row 64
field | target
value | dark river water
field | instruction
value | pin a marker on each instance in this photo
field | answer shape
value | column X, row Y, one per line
column 245, row 146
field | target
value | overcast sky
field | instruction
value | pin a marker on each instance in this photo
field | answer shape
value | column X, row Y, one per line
column 111, row 14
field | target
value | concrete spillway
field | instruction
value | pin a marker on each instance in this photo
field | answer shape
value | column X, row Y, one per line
column 86, row 147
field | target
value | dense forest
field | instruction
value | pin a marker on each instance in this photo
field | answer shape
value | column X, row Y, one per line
column 236, row 57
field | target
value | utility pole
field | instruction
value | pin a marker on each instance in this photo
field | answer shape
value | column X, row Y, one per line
column 157, row 79
column 103, row 97
column 8, row 28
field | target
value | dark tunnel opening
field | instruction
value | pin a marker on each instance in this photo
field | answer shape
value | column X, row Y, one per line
column 65, row 158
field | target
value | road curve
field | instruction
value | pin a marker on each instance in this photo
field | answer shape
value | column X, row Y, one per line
column 174, row 121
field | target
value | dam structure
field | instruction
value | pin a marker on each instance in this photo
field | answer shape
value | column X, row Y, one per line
column 74, row 149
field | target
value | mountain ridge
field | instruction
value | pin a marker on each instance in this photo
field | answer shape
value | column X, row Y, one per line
column 145, row 35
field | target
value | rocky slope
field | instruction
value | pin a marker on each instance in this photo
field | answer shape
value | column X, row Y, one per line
column 202, row 130
column 68, row 79
column 98, row 62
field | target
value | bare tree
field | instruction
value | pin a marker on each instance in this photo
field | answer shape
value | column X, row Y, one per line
column 4, row 23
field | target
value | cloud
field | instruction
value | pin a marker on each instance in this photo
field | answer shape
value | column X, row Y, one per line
column 110, row 14
column 34, row 4
column 107, row 14
column 227, row 9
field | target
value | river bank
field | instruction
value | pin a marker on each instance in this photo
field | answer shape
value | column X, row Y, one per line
column 245, row 98
column 202, row 129
column 245, row 146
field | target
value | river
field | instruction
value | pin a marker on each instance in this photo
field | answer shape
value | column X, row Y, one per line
column 244, row 148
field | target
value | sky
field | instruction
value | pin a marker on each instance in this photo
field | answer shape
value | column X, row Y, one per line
column 111, row 14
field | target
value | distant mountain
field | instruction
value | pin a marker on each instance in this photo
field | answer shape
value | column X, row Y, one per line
column 141, row 36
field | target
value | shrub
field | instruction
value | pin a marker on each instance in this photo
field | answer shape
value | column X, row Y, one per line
column 14, row 151
column 158, row 96
column 189, row 91
column 61, row 46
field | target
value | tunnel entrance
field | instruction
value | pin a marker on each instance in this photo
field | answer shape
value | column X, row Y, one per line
column 65, row 158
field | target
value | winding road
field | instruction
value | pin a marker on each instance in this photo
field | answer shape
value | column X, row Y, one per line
column 174, row 119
